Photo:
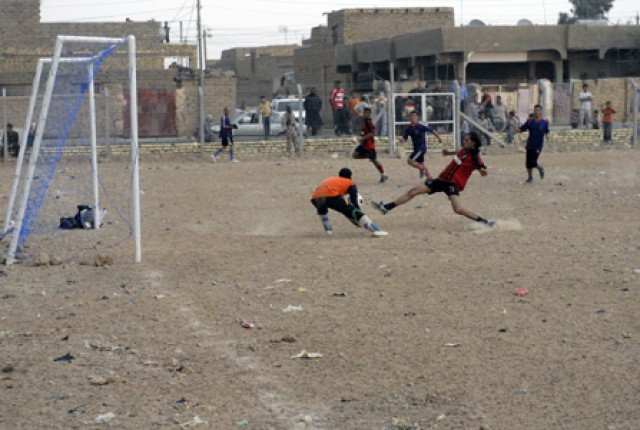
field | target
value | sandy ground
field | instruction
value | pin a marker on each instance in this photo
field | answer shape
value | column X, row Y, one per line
column 420, row 329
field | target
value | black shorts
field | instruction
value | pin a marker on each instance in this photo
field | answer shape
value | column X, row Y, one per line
column 226, row 141
column 417, row 156
column 339, row 204
column 366, row 153
column 438, row 186
column 532, row 158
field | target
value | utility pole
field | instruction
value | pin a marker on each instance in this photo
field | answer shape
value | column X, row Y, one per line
column 202, row 66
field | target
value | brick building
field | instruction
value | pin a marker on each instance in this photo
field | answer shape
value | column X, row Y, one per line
column 24, row 39
column 259, row 71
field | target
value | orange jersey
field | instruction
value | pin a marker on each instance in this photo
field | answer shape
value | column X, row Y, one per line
column 332, row 187
column 607, row 114
column 352, row 103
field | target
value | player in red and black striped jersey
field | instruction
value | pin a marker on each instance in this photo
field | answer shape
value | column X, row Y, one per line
column 367, row 146
column 451, row 181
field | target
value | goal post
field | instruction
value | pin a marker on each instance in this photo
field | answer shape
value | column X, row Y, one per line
column 83, row 56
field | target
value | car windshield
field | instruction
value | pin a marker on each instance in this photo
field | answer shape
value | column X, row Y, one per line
column 281, row 106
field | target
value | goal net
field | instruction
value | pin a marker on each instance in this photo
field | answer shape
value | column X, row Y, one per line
column 74, row 191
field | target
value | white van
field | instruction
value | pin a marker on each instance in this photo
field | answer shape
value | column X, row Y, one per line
column 280, row 106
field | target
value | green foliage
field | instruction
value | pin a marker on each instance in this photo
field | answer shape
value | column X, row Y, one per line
column 586, row 9
column 591, row 9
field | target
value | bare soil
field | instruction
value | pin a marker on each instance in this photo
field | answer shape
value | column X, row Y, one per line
column 420, row 329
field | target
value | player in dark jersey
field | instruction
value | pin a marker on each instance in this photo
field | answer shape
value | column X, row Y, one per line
column 367, row 146
column 340, row 193
column 451, row 181
column 418, row 132
column 538, row 128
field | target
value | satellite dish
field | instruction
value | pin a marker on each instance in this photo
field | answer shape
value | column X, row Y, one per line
column 476, row 23
column 524, row 22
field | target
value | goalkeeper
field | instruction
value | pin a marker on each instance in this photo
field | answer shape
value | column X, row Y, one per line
column 341, row 194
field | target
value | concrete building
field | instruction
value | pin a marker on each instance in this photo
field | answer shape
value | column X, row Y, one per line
column 262, row 71
column 498, row 54
column 316, row 61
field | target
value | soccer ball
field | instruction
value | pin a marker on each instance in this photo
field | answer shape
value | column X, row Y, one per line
column 360, row 200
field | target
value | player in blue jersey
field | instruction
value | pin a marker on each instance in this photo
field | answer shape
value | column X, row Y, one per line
column 226, row 136
column 418, row 132
column 538, row 128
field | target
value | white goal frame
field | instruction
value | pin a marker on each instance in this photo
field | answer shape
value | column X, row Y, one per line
column 55, row 60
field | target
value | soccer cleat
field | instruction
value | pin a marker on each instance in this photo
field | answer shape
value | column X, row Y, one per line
column 380, row 206
column 379, row 233
column 421, row 174
column 528, row 181
column 214, row 158
column 383, row 178
column 328, row 232
column 541, row 172
column 490, row 223
column 235, row 161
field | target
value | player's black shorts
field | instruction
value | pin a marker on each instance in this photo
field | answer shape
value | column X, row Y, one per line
column 366, row 153
column 532, row 158
column 438, row 186
column 417, row 156
column 226, row 141
column 339, row 204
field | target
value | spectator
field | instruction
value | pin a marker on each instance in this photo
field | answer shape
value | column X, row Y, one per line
column 595, row 120
column 265, row 110
column 585, row 106
column 207, row 128
column 337, row 105
column 422, row 88
column 499, row 118
column 31, row 137
column 290, row 127
column 512, row 126
column 312, row 108
column 485, row 123
column 607, row 121
column 575, row 118
column 13, row 141
column 381, row 113
column 486, row 105
column 354, row 115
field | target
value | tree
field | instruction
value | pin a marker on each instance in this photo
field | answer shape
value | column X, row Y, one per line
column 591, row 9
column 586, row 9
column 564, row 18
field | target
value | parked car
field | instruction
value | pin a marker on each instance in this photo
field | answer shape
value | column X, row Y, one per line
column 280, row 106
column 249, row 123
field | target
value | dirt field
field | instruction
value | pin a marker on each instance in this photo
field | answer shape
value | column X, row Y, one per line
column 420, row 329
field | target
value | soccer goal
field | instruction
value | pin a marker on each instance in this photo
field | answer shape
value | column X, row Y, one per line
column 71, row 199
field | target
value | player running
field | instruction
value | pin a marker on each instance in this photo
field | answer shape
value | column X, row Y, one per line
column 418, row 132
column 367, row 146
column 451, row 180
column 341, row 194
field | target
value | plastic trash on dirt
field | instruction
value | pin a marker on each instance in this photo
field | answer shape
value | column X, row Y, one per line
column 292, row 308
column 103, row 418
column 194, row 422
column 307, row 355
